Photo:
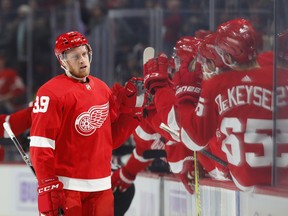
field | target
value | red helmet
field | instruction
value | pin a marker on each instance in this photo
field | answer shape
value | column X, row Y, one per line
column 186, row 50
column 202, row 33
column 68, row 41
column 187, row 46
column 207, row 51
column 237, row 38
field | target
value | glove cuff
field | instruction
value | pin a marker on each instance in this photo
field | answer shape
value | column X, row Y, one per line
column 187, row 93
column 125, row 177
column 47, row 180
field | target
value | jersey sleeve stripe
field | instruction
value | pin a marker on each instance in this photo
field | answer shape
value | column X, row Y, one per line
column 6, row 135
column 42, row 142
column 146, row 136
column 189, row 143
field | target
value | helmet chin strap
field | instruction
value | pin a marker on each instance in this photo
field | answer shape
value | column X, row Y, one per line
column 70, row 75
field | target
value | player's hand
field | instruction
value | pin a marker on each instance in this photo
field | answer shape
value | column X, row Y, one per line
column 122, row 180
column 130, row 98
column 134, row 95
column 156, row 73
column 188, row 85
column 51, row 197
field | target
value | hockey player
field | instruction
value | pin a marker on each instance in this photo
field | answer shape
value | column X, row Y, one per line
column 235, row 105
column 148, row 135
column 20, row 121
column 74, row 129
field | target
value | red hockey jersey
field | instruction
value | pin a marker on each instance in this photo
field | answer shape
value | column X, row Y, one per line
column 236, row 107
column 73, row 132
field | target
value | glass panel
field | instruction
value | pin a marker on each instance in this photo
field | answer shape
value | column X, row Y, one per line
column 281, row 76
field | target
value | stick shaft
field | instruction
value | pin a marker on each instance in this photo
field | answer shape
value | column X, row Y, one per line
column 197, row 187
column 18, row 146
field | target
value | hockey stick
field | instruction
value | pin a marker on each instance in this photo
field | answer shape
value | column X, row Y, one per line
column 197, row 189
column 148, row 54
column 203, row 151
column 18, row 146
column 22, row 153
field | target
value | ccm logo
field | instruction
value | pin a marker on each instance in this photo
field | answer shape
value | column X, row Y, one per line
column 48, row 188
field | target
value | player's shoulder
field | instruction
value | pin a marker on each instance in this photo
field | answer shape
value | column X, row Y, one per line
column 245, row 76
column 98, row 82
column 57, row 85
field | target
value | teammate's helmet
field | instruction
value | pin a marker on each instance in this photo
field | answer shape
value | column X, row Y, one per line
column 202, row 33
column 70, row 40
column 185, row 50
column 237, row 38
column 207, row 53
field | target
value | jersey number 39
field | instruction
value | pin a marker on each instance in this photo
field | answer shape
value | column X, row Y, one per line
column 41, row 104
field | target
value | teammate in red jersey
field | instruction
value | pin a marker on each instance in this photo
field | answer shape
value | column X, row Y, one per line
column 74, row 128
column 148, row 135
column 235, row 105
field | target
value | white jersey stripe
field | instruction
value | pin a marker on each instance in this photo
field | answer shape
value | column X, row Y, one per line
column 146, row 136
column 86, row 185
column 42, row 142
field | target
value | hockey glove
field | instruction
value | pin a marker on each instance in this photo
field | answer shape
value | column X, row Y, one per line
column 51, row 197
column 188, row 85
column 156, row 73
column 122, row 180
column 130, row 98
column 134, row 95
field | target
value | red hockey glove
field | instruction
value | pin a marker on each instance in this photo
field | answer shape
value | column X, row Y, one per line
column 130, row 98
column 156, row 73
column 134, row 95
column 122, row 179
column 188, row 85
column 51, row 197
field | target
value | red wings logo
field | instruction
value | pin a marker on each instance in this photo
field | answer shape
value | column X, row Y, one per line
column 87, row 122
